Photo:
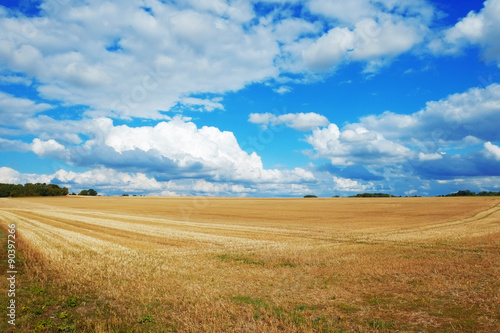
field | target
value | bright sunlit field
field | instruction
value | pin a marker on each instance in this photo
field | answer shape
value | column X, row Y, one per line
column 139, row 264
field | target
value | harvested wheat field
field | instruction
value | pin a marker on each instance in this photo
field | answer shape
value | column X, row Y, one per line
column 138, row 264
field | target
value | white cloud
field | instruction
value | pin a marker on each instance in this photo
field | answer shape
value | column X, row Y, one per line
column 370, row 31
column 203, row 104
column 347, row 11
column 9, row 176
column 15, row 111
column 6, row 145
column 386, row 38
column 481, row 29
column 186, row 145
column 49, row 148
column 112, row 182
column 349, row 185
column 290, row 30
column 262, row 118
column 429, row 157
column 283, row 90
column 470, row 28
column 106, row 179
column 177, row 148
column 14, row 79
column 158, row 59
column 351, row 12
column 492, row 150
column 214, row 189
column 442, row 140
column 329, row 50
column 121, row 60
column 464, row 118
column 355, row 145
column 299, row 121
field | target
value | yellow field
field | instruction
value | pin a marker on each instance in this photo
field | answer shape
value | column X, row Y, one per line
column 139, row 264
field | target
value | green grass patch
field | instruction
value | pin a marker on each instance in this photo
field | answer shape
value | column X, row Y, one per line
column 304, row 307
column 146, row 319
column 288, row 264
column 245, row 260
column 378, row 299
column 257, row 303
column 35, row 290
column 72, row 302
column 66, row 328
column 249, row 261
column 279, row 312
column 224, row 257
column 263, row 309
column 380, row 324
column 347, row 308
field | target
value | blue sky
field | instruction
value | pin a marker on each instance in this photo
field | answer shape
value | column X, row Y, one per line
column 251, row 98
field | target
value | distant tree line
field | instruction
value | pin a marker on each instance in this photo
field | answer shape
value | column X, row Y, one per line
column 468, row 193
column 31, row 190
column 465, row 193
column 372, row 195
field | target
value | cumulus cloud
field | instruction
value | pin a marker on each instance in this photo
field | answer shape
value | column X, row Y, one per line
column 349, row 185
column 283, row 90
column 203, row 104
column 117, row 56
column 387, row 38
column 452, row 166
column 367, row 30
column 49, row 148
column 113, row 182
column 218, row 153
column 298, row 121
column 123, row 59
column 350, row 12
column 429, row 157
column 176, row 149
column 11, row 176
column 14, row 111
column 471, row 114
column 329, row 50
column 358, row 145
column 108, row 179
column 209, row 188
column 14, row 79
column 480, row 29
column 492, row 150
column 448, row 138
column 351, row 171
column 355, row 10
column 13, row 145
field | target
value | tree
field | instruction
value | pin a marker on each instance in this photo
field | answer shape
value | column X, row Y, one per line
column 92, row 192
column 372, row 195
column 84, row 192
column 31, row 190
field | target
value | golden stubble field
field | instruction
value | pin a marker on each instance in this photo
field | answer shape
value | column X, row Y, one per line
column 142, row 264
